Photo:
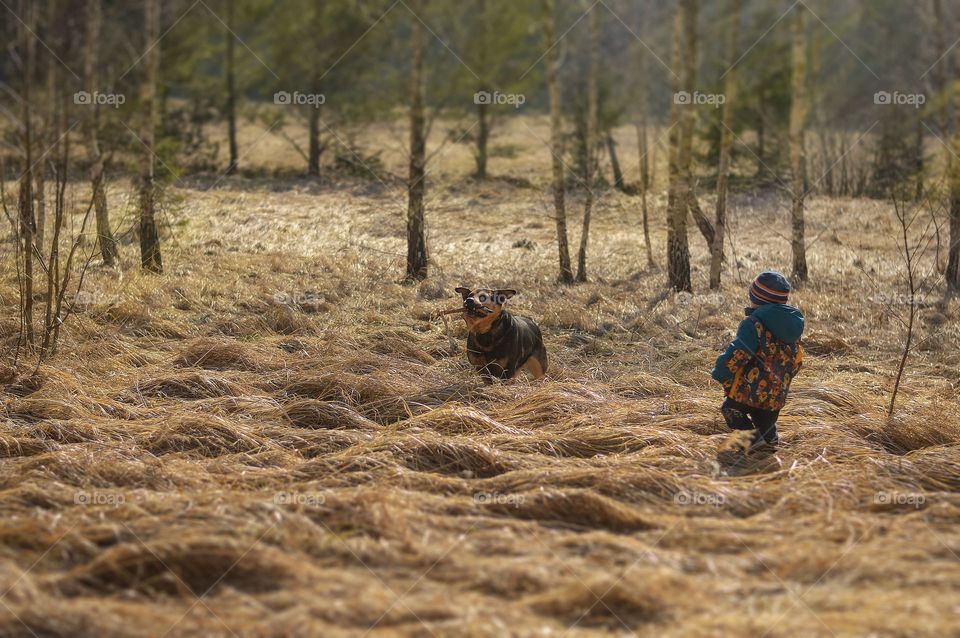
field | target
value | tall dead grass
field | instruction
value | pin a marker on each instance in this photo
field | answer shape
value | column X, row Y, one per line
column 275, row 442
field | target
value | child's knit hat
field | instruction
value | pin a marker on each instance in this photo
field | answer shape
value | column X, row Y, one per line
column 769, row 287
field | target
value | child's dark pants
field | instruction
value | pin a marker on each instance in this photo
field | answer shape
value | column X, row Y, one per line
column 742, row 417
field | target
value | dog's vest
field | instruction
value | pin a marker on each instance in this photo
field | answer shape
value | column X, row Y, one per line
column 762, row 379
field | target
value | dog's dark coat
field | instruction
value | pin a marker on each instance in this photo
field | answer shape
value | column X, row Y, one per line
column 503, row 349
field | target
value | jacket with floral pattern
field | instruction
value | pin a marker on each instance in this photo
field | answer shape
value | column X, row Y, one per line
column 759, row 365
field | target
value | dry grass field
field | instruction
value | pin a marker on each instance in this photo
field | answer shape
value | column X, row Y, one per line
column 271, row 439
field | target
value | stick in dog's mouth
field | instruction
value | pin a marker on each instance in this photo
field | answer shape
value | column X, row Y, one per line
column 452, row 311
column 478, row 311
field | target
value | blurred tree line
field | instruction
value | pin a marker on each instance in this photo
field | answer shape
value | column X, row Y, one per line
column 847, row 99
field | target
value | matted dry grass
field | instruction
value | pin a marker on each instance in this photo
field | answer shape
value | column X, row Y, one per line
column 270, row 440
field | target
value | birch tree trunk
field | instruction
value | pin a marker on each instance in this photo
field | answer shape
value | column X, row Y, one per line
column 150, row 259
column 953, row 259
column 231, row 106
column 91, row 50
column 590, row 141
column 483, row 108
column 647, row 155
column 416, row 226
column 26, row 181
column 44, row 135
column 689, row 118
column 643, row 151
column 315, row 149
column 556, row 140
column 798, row 113
column 939, row 77
column 618, row 182
column 726, row 139
column 678, row 250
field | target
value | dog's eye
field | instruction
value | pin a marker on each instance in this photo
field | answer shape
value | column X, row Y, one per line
column 482, row 298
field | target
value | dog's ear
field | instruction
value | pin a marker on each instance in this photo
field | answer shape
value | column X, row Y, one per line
column 463, row 291
column 504, row 294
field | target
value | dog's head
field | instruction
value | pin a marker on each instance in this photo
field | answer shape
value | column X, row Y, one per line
column 482, row 306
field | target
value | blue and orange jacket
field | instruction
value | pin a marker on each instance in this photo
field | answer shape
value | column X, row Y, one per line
column 757, row 367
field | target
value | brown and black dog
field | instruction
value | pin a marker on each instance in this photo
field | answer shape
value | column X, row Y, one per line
column 500, row 344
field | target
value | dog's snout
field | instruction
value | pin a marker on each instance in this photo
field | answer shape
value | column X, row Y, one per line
column 470, row 302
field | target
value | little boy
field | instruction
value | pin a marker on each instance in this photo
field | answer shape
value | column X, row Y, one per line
column 757, row 368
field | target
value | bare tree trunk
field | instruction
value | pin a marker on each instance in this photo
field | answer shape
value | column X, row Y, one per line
column 761, row 146
column 918, row 159
column 108, row 246
column 231, row 106
column 150, row 259
column 315, row 149
column 556, row 140
column 689, row 120
column 953, row 259
column 416, row 226
column 483, row 108
column 26, row 181
column 816, row 98
column 798, row 113
column 703, row 224
column 678, row 250
column 642, row 151
column 590, row 142
column 909, row 259
column 726, row 139
column 826, row 149
column 39, row 192
column 483, row 137
column 940, row 78
column 844, row 167
column 615, row 162
column 54, row 279
column 953, row 255
column 44, row 135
